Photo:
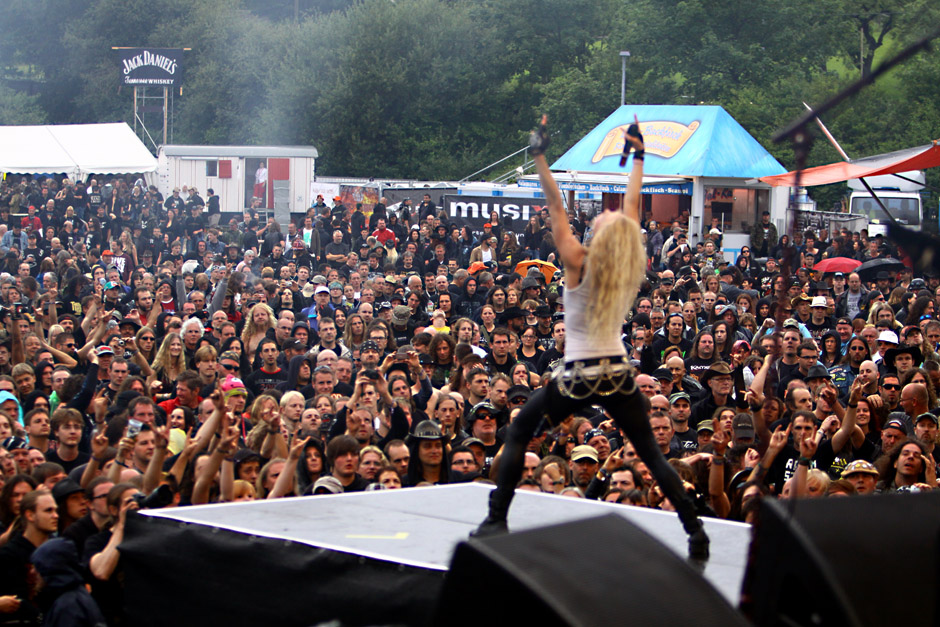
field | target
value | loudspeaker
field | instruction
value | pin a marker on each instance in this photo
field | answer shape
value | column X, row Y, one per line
column 601, row 571
column 858, row 561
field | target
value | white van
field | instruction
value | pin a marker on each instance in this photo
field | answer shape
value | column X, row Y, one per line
column 901, row 197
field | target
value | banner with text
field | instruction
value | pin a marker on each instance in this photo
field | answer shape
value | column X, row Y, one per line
column 475, row 211
column 151, row 66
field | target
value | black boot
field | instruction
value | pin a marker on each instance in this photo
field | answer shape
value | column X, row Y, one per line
column 495, row 521
column 698, row 543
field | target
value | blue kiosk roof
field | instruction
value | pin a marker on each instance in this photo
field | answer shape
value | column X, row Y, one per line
column 681, row 140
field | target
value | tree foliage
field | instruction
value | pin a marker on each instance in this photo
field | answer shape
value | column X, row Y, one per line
column 439, row 88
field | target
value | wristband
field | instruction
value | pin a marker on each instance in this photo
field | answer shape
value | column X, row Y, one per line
column 803, row 461
column 718, row 459
column 97, row 460
column 558, row 482
column 121, row 464
column 853, row 406
column 602, row 474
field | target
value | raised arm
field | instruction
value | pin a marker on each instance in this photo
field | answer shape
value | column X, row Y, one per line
column 569, row 248
column 633, row 139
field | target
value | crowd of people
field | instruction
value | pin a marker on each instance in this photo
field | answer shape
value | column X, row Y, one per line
column 155, row 353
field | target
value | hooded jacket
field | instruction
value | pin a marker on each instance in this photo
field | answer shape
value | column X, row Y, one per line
column 65, row 599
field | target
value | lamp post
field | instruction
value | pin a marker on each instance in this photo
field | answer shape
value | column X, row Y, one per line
column 623, row 76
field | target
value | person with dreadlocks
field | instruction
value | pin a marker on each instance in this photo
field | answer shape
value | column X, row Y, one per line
column 601, row 282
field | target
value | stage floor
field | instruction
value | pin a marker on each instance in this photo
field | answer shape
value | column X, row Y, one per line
column 421, row 526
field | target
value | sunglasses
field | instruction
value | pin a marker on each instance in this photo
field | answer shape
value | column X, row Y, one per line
column 485, row 417
column 891, row 386
column 147, row 339
column 229, row 367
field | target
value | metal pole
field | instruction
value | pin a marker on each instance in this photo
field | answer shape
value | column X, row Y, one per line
column 135, row 109
column 164, row 114
column 623, row 76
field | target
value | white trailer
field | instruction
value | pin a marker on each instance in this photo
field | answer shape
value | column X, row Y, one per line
column 230, row 171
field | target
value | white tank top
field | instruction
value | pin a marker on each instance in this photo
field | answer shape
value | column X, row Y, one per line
column 577, row 344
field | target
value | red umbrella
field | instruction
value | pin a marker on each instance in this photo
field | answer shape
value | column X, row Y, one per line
column 837, row 264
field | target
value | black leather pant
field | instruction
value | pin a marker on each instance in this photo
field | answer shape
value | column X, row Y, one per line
column 630, row 410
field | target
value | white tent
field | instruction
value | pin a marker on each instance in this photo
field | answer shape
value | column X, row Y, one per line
column 76, row 150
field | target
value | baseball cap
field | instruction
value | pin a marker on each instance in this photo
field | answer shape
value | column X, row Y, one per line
column 401, row 314
column 678, row 396
column 518, row 391
column 662, row 374
column 706, row 425
column 110, row 285
column 591, row 434
column 895, row 424
column 383, row 305
column 888, row 336
column 336, row 285
column 584, row 452
column 927, row 416
column 104, row 349
column 819, row 301
column 743, row 426
column 327, row 485
column 321, row 289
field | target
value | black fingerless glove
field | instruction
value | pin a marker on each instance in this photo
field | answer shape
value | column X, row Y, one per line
column 539, row 139
column 632, row 131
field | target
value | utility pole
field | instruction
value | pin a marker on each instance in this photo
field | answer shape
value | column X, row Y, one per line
column 623, row 76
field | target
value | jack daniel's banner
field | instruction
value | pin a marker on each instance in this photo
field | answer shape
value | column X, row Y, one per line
column 151, row 66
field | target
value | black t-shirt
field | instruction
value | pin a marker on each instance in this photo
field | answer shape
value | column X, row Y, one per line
column 260, row 381
column 687, row 440
column 336, row 249
column 662, row 342
column 826, row 460
column 696, row 366
column 550, row 360
column 783, row 467
column 818, row 330
column 53, row 456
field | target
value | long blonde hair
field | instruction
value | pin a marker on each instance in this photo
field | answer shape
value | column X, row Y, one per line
column 616, row 265
column 172, row 366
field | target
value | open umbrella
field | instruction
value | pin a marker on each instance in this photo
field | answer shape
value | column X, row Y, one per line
column 837, row 264
column 868, row 270
column 547, row 269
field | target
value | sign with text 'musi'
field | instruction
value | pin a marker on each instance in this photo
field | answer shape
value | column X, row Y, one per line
column 475, row 211
column 151, row 66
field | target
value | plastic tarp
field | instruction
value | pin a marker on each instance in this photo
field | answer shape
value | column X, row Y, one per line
column 681, row 140
column 919, row 158
column 73, row 149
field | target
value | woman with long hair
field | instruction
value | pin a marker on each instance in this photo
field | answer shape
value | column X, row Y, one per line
column 601, row 282
column 169, row 362
column 260, row 319
column 831, row 353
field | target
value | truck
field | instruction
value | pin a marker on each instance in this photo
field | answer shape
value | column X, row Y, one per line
column 900, row 196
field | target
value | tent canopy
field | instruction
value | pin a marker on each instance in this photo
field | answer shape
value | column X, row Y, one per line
column 681, row 140
column 919, row 158
column 73, row 149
